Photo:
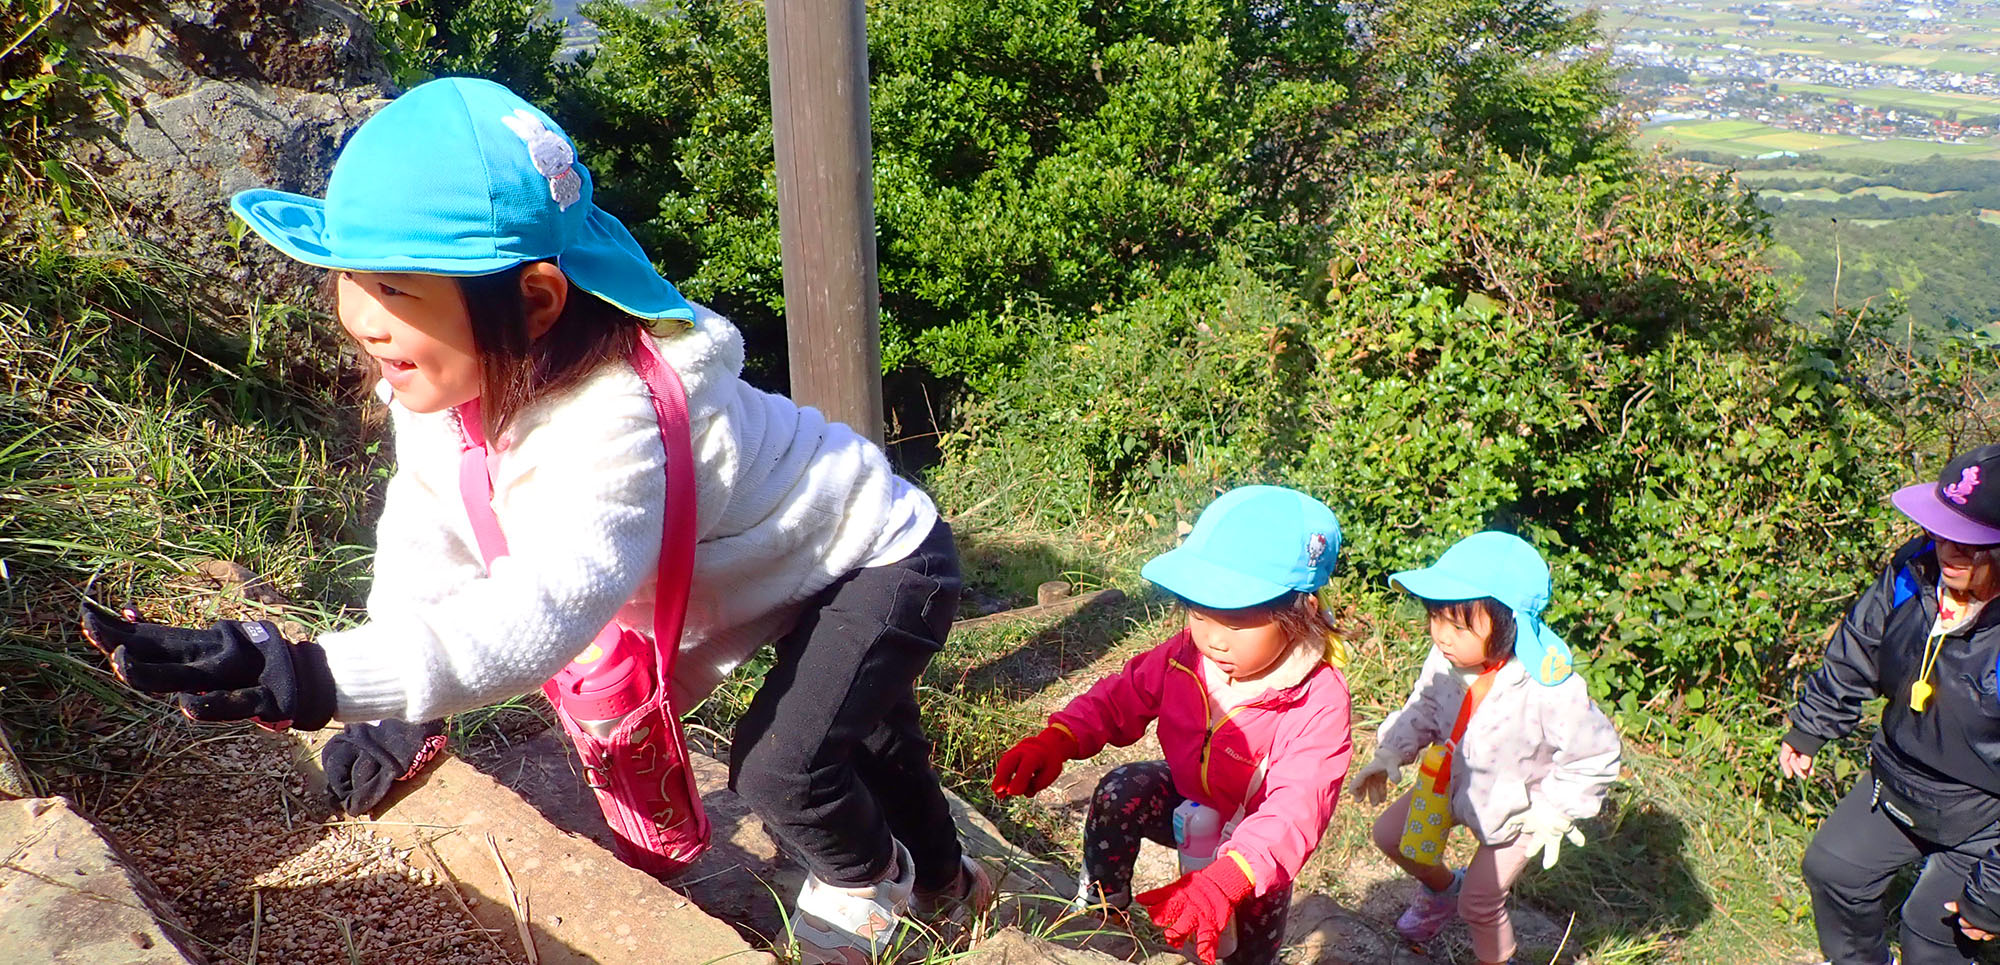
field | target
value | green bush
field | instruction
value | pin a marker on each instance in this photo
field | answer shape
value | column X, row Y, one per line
column 45, row 83
column 509, row 41
column 1047, row 159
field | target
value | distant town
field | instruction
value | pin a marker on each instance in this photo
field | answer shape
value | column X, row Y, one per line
column 1812, row 111
column 1850, row 71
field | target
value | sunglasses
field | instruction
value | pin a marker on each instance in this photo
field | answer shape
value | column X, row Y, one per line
column 1967, row 547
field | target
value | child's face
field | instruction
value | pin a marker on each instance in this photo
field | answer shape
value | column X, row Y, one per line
column 418, row 331
column 1462, row 643
column 1246, row 644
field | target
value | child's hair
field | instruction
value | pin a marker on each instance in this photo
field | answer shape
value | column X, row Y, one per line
column 515, row 369
column 1304, row 624
column 1500, row 641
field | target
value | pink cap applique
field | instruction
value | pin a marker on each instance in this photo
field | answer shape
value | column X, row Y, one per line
column 1961, row 490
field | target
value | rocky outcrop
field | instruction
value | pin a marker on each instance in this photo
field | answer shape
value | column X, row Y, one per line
column 223, row 95
column 15, row 780
column 531, row 880
column 1012, row 946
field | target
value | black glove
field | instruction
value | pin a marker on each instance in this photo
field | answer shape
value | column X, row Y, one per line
column 363, row 760
column 231, row 671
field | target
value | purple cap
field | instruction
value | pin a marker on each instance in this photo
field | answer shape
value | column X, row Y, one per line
column 1964, row 504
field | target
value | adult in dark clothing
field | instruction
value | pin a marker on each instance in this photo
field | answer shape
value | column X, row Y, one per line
column 1924, row 637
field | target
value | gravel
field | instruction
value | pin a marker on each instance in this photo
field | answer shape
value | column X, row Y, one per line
column 220, row 819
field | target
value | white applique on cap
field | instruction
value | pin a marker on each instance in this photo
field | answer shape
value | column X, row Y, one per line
column 553, row 157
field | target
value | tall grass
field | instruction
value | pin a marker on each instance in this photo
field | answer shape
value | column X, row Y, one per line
column 145, row 428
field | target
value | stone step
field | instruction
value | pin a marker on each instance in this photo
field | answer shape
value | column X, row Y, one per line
column 577, row 903
column 69, row 895
column 1012, row 946
column 746, row 879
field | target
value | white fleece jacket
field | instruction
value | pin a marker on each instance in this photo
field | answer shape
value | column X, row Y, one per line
column 786, row 503
column 1526, row 743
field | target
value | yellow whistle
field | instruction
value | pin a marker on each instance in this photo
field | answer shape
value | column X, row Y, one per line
column 1920, row 694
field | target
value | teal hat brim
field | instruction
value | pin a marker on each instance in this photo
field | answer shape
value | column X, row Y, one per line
column 296, row 225
column 604, row 260
column 1432, row 583
column 1206, row 584
column 1542, row 653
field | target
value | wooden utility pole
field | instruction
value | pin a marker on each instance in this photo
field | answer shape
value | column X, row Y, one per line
column 826, row 206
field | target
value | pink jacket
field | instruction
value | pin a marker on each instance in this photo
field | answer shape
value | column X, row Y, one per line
column 1302, row 731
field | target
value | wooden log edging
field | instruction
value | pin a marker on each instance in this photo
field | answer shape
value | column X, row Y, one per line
column 1062, row 607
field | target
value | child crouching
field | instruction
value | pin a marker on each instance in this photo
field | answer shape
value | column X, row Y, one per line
column 1527, row 753
column 1252, row 716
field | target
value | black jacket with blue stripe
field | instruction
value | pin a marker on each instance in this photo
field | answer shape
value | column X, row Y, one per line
column 1937, row 772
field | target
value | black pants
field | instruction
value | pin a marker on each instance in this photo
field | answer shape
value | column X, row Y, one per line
column 1137, row 801
column 830, row 753
column 1848, row 867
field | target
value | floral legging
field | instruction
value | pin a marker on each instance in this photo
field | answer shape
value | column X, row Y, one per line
column 1137, row 801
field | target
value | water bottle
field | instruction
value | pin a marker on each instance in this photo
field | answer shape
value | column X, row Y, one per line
column 607, row 681
column 1197, row 838
column 630, row 746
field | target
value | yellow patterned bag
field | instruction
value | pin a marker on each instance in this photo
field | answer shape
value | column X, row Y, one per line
column 1430, row 801
column 1430, row 809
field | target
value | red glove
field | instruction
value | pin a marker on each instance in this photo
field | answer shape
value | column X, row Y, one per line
column 1034, row 763
column 1198, row 905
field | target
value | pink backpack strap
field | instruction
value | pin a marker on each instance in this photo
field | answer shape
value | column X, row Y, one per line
column 678, row 539
column 676, row 566
column 475, row 483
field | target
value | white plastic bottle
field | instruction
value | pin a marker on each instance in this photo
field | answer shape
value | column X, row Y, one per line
column 1197, row 837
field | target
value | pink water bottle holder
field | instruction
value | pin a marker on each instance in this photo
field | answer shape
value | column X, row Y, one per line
column 613, row 700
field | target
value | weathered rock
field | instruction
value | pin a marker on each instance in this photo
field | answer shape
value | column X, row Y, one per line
column 583, row 904
column 229, row 574
column 69, row 895
column 729, row 882
column 224, row 96
column 746, row 878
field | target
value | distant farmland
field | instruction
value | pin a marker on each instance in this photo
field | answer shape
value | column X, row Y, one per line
column 1750, row 139
column 1933, row 102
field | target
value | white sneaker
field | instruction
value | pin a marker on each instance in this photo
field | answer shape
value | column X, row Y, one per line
column 852, row 926
column 1088, row 897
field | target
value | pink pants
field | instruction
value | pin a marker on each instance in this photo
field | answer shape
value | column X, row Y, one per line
column 1482, row 897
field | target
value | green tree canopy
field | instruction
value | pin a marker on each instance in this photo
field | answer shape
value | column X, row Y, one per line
column 1050, row 158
